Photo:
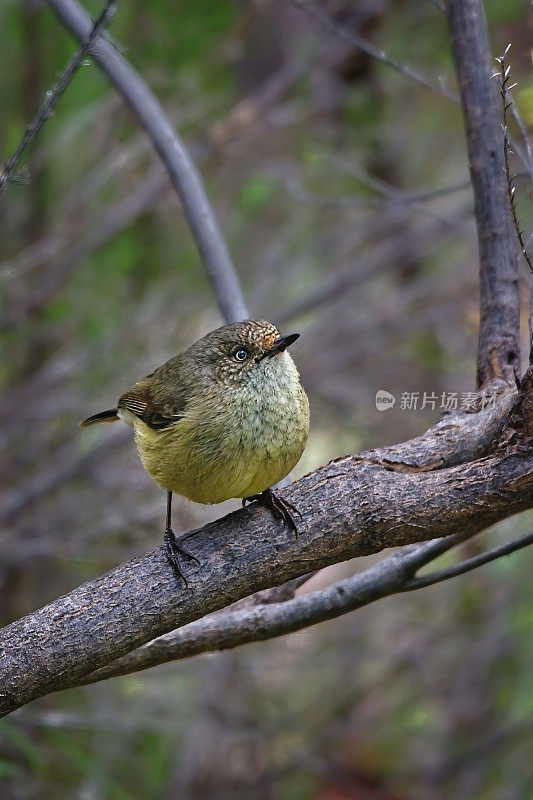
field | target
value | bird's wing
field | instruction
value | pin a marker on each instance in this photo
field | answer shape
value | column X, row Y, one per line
column 153, row 407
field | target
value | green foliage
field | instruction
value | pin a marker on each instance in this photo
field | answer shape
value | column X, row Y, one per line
column 524, row 99
column 426, row 349
column 25, row 749
column 499, row 11
column 255, row 194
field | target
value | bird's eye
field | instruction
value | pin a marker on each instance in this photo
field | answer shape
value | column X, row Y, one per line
column 241, row 354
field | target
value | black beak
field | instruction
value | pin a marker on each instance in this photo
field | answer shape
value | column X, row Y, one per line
column 282, row 342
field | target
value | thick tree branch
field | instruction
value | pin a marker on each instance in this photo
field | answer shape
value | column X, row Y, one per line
column 181, row 169
column 454, row 440
column 229, row 629
column 351, row 507
column 498, row 360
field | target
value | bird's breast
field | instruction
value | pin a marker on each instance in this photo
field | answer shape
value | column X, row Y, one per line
column 230, row 443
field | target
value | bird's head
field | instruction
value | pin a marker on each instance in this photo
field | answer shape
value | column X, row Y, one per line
column 243, row 351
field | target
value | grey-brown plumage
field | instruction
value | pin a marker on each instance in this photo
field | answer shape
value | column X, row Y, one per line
column 226, row 418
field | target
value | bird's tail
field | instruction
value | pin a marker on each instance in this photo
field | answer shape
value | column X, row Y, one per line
column 111, row 415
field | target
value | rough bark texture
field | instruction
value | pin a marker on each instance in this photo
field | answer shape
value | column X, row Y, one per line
column 498, row 344
column 244, row 624
column 351, row 507
column 237, row 626
column 457, row 438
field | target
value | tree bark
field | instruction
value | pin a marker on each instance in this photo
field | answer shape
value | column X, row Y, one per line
column 498, row 361
column 351, row 507
column 237, row 626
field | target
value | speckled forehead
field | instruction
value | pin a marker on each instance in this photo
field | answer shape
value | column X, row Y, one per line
column 262, row 333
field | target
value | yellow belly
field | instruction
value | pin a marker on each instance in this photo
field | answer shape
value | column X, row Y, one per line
column 210, row 463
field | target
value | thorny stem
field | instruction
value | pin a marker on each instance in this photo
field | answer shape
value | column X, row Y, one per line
column 504, row 76
column 51, row 100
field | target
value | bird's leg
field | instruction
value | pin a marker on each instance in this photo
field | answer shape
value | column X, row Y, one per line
column 280, row 507
column 173, row 547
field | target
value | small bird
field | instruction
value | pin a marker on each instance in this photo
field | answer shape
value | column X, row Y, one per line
column 226, row 418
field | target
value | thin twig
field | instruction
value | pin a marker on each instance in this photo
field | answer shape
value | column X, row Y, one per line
column 469, row 564
column 400, row 197
column 182, row 172
column 391, row 193
column 504, row 76
column 375, row 52
column 54, row 245
column 522, row 127
column 51, row 100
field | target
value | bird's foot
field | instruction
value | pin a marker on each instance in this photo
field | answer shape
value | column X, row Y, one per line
column 173, row 550
column 280, row 507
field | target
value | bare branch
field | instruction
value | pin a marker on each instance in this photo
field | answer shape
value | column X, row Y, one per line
column 504, row 76
column 498, row 360
column 229, row 629
column 181, row 170
column 393, row 194
column 469, row 564
column 52, row 95
column 394, row 197
column 363, row 44
column 66, row 245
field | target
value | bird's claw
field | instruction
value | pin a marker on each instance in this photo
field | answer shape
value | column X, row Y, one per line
column 174, row 549
column 279, row 506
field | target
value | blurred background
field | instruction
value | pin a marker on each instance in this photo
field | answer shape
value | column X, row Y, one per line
column 342, row 189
